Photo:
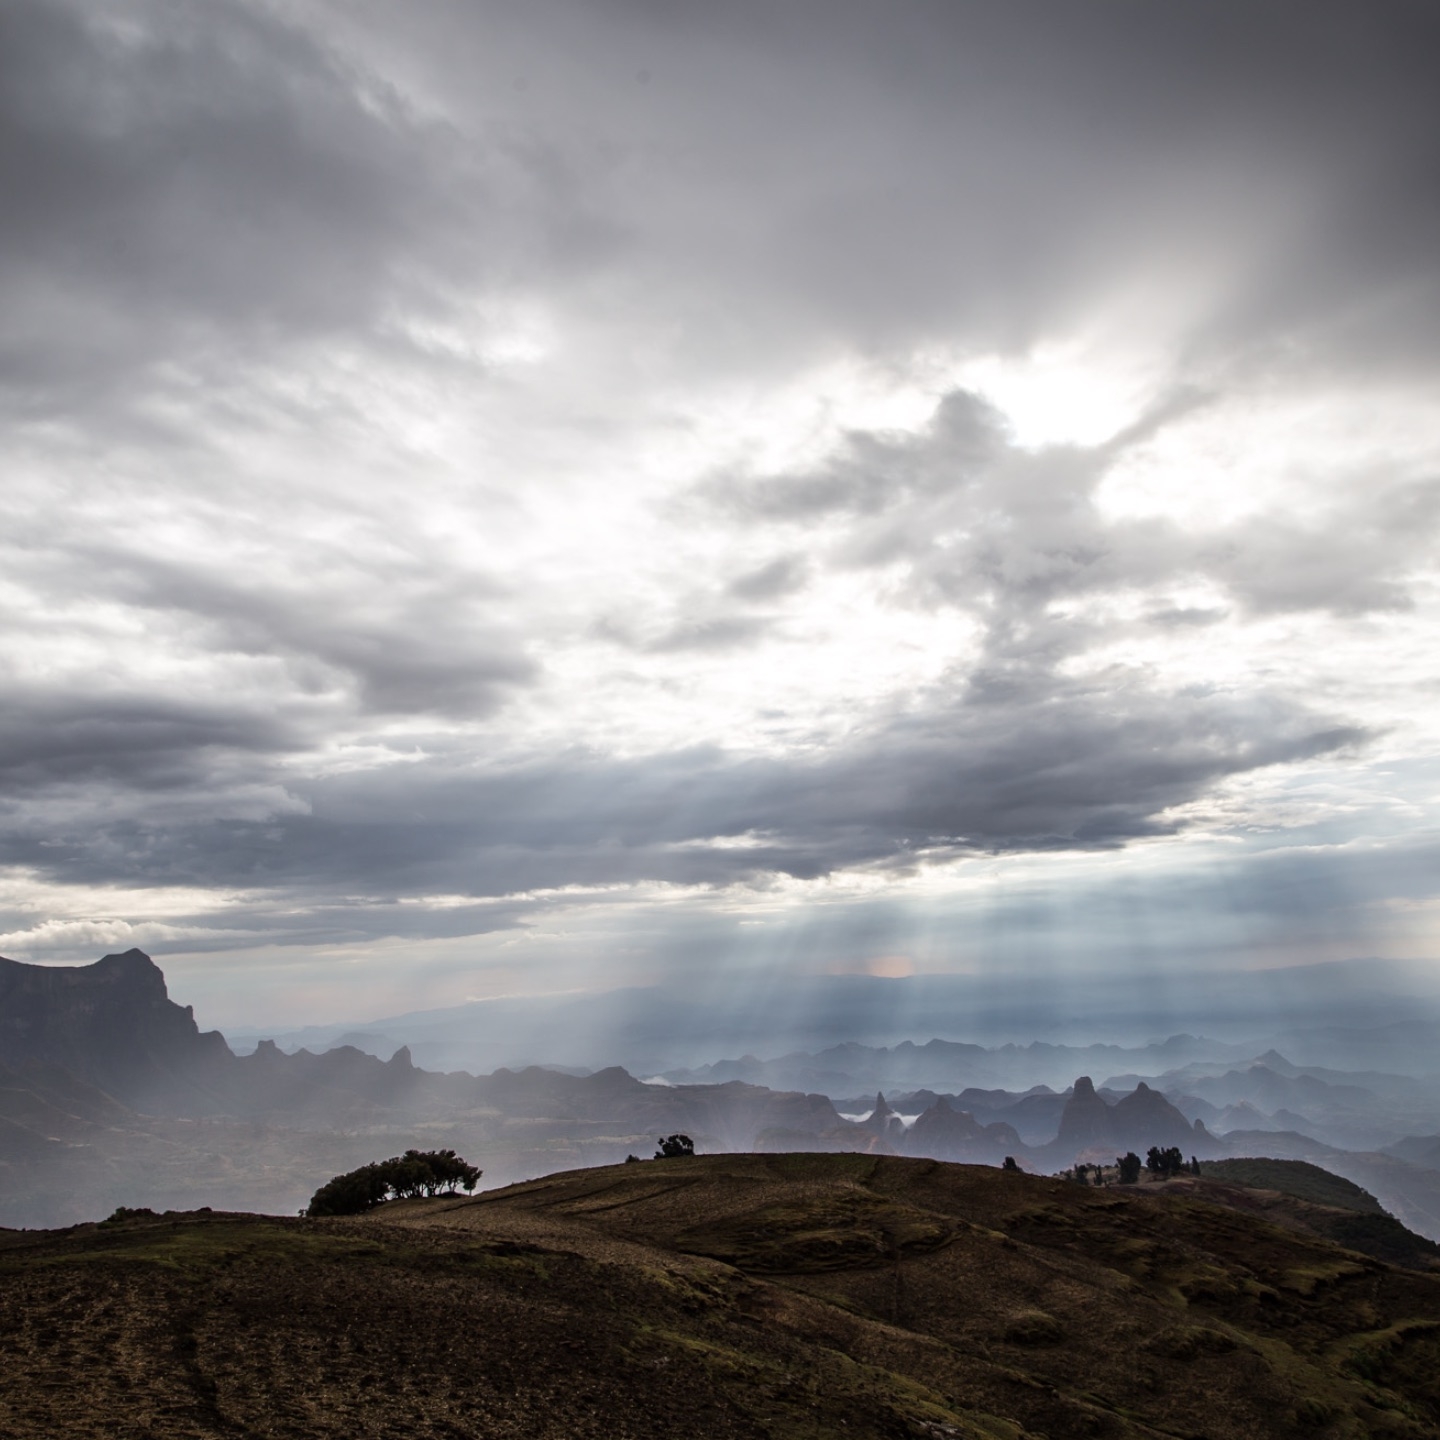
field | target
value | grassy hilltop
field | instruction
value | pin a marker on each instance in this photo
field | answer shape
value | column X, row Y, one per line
column 794, row 1296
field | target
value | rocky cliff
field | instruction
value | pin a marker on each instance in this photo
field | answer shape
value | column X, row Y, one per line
column 113, row 1025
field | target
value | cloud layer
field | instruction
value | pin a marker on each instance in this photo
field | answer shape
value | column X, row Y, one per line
column 647, row 469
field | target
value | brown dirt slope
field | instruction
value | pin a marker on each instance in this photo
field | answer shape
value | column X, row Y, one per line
column 786, row 1296
column 1305, row 1197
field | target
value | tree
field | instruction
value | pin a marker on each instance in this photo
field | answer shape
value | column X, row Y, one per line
column 127, row 1212
column 447, row 1171
column 1164, row 1163
column 416, row 1172
column 1009, row 1163
column 672, row 1147
column 1129, row 1165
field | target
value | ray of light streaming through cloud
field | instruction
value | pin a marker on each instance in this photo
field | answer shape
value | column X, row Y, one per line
column 521, row 500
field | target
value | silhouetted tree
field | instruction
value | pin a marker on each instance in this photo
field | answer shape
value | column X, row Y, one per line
column 126, row 1212
column 350, row 1194
column 1164, row 1163
column 1129, row 1164
column 416, row 1172
column 1194, row 1166
column 672, row 1147
column 1009, row 1163
column 447, row 1171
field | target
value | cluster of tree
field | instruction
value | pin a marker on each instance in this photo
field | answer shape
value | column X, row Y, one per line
column 126, row 1212
column 1162, row 1164
column 1165, row 1163
column 672, row 1147
column 403, row 1177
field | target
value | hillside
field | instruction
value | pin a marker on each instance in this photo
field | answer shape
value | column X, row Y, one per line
column 727, row 1296
column 1295, row 1177
column 1304, row 1197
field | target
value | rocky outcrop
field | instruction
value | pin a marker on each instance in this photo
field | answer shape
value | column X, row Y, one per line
column 1086, row 1120
column 944, row 1133
column 883, row 1122
column 942, row 1123
column 1145, row 1118
column 112, row 1025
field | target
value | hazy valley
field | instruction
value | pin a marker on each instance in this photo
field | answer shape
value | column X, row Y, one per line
column 111, row 1095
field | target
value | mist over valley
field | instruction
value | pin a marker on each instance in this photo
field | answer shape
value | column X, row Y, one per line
column 112, row 1096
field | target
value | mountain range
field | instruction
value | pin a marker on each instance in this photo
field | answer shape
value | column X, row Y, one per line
column 1390, row 1010
column 110, row 1094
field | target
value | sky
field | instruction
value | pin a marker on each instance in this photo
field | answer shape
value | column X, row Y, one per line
column 511, row 500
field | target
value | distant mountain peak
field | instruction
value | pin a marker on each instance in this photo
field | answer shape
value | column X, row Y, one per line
column 132, row 969
column 134, row 957
column 1137, row 1120
column 1273, row 1060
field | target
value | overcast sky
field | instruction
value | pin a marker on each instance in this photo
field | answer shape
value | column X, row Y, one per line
column 501, row 499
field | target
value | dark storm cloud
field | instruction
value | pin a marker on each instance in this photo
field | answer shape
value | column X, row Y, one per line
column 77, row 743
column 333, row 652
column 414, row 644
column 818, row 177
column 169, row 168
column 846, row 175
column 1071, row 772
column 198, row 185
